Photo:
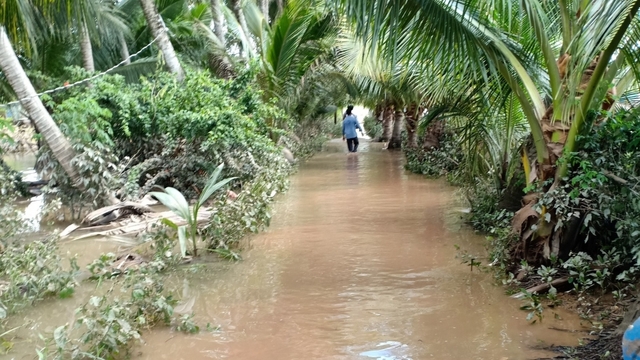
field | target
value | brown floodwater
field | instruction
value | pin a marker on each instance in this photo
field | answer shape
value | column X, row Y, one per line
column 359, row 263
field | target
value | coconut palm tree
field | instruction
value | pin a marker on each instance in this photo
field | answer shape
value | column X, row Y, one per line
column 569, row 52
column 20, row 22
column 88, row 21
column 295, row 56
column 158, row 30
column 218, row 21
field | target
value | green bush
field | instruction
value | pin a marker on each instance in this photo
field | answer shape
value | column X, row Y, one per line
column 131, row 137
column 106, row 326
column 372, row 127
column 435, row 162
column 32, row 272
column 249, row 213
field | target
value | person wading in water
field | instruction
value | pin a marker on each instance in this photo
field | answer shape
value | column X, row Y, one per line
column 349, row 126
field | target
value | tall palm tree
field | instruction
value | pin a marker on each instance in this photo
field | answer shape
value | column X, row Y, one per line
column 86, row 21
column 86, row 48
column 264, row 8
column 238, row 10
column 17, row 78
column 158, row 31
column 124, row 49
column 294, row 53
column 218, row 20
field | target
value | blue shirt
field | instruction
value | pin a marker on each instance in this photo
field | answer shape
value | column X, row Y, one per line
column 631, row 341
column 349, row 126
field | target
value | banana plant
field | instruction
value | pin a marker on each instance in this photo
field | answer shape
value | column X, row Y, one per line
column 176, row 202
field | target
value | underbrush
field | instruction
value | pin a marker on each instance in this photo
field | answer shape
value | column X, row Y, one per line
column 442, row 161
column 107, row 325
column 131, row 139
column 597, row 278
column 249, row 213
column 32, row 272
column 597, row 273
column 372, row 127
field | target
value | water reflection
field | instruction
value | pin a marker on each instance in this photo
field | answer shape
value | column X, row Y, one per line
column 353, row 173
column 391, row 350
column 32, row 214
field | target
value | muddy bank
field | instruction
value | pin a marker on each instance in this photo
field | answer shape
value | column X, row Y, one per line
column 606, row 346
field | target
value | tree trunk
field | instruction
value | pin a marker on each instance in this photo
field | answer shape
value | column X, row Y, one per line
column 264, row 6
column 17, row 78
column 411, row 123
column 158, row 31
column 237, row 10
column 542, row 230
column 387, row 123
column 379, row 112
column 218, row 21
column 280, row 4
column 396, row 137
column 86, row 49
column 432, row 134
column 124, row 49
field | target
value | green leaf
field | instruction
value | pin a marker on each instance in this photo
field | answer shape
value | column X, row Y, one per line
column 173, row 204
column 66, row 293
column 60, row 337
column 183, row 205
column 169, row 223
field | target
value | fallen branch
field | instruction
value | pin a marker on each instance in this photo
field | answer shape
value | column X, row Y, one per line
column 615, row 177
column 543, row 288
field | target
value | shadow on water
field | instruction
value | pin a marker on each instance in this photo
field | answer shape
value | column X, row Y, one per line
column 359, row 263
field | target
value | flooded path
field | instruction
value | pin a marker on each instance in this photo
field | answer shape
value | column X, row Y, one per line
column 359, row 263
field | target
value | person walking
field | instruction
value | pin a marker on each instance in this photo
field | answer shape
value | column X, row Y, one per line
column 349, row 126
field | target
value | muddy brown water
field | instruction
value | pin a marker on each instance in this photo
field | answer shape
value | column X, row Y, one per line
column 359, row 263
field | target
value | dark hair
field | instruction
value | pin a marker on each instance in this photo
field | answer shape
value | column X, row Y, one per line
column 349, row 108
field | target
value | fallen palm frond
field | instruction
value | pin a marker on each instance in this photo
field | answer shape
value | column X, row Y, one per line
column 131, row 226
column 114, row 212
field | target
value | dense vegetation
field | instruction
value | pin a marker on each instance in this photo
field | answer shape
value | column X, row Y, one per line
column 529, row 105
column 540, row 98
column 237, row 100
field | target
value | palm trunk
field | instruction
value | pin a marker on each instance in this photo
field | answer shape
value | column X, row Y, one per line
column 411, row 124
column 237, row 10
column 387, row 124
column 158, row 31
column 17, row 78
column 218, row 24
column 379, row 112
column 280, row 6
column 396, row 138
column 124, row 49
column 264, row 6
column 432, row 134
column 548, row 239
column 86, row 49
